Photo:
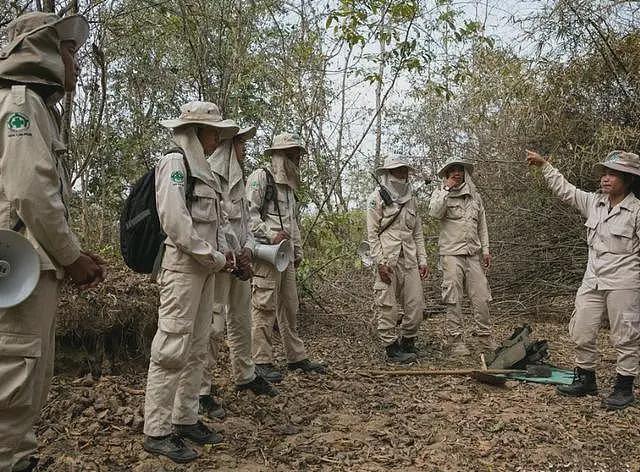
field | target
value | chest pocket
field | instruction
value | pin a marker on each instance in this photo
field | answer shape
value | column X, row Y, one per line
column 621, row 241
column 233, row 209
column 591, row 224
column 204, row 208
column 410, row 216
column 454, row 211
column 283, row 203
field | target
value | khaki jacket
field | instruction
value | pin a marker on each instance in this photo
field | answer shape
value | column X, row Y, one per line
column 264, row 231
column 237, row 217
column 194, row 241
column 463, row 223
column 33, row 184
column 404, row 236
column 613, row 237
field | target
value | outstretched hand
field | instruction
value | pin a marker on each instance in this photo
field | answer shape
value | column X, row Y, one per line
column 535, row 159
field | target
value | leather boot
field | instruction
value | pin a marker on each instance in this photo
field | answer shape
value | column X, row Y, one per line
column 210, row 407
column 408, row 345
column 584, row 383
column 622, row 395
column 199, row 433
column 170, row 446
column 269, row 373
column 396, row 354
column 259, row 386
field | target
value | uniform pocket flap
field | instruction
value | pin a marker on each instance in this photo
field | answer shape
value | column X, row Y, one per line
column 174, row 325
column 264, row 282
column 625, row 231
column 591, row 222
column 20, row 345
column 204, row 191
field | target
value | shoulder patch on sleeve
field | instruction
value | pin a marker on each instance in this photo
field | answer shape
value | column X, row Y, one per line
column 18, row 124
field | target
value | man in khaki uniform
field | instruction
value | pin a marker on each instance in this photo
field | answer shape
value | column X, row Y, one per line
column 464, row 252
column 611, row 282
column 272, row 214
column 37, row 66
column 233, row 292
column 188, row 202
column 396, row 243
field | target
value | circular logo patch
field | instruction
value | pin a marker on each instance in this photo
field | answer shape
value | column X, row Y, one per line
column 18, row 122
column 177, row 177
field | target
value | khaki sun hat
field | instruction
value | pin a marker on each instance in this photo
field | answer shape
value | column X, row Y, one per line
column 468, row 165
column 203, row 113
column 621, row 161
column 246, row 133
column 69, row 28
column 394, row 162
column 286, row 141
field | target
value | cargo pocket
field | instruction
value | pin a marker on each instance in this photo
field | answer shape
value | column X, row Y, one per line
column 384, row 295
column 591, row 224
column 19, row 355
column 621, row 241
column 263, row 296
column 171, row 344
column 449, row 292
column 630, row 330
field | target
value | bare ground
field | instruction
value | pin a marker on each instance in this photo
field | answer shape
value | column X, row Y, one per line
column 350, row 420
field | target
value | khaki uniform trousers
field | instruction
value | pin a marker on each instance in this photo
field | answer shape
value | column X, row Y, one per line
column 459, row 272
column 623, row 307
column 233, row 299
column 178, row 351
column 27, row 345
column 405, row 291
column 274, row 296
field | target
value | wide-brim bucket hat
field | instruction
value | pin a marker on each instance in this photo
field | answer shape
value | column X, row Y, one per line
column 69, row 28
column 286, row 141
column 246, row 133
column 394, row 162
column 452, row 161
column 204, row 114
column 621, row 161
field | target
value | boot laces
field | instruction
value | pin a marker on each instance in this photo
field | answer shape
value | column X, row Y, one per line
column 177, row 441
column 202, row 428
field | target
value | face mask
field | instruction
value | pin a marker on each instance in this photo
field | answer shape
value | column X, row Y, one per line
column 399, row 186
column 293, row 172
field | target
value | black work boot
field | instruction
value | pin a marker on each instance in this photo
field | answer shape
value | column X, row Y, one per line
column 269, row 373
column 170, row 446
column 305, row 365
column 211, row 408
column 622, row 395
column 396, row 354
column 28, row 464
column 259, row 386
column 584, row 383
column 408, row 345
column 198, row 433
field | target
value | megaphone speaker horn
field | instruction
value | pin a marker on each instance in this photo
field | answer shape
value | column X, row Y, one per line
column 278, row 255
column 19, row 268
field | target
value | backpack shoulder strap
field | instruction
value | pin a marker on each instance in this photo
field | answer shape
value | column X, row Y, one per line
column 270, row 193
column 190, row 197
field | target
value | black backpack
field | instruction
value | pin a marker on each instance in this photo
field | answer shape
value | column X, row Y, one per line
column 140, row 232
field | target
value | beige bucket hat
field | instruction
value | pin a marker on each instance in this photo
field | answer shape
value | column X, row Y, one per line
column 622, row 161
column 203, row 113
column 286, row 141
column 69, row 28
column 246, row 133
column 468, row 165
column 394, row 162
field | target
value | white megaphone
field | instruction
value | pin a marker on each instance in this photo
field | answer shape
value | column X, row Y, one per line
column 278, row 255
column 19, row 268
column 365, row 255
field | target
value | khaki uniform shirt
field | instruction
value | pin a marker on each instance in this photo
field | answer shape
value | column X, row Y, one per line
column 403, row 238
column 33, row 184
column 194, row 240
column 237, row 217
column 463, row 224
column 265, row 231
column 613, row 236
